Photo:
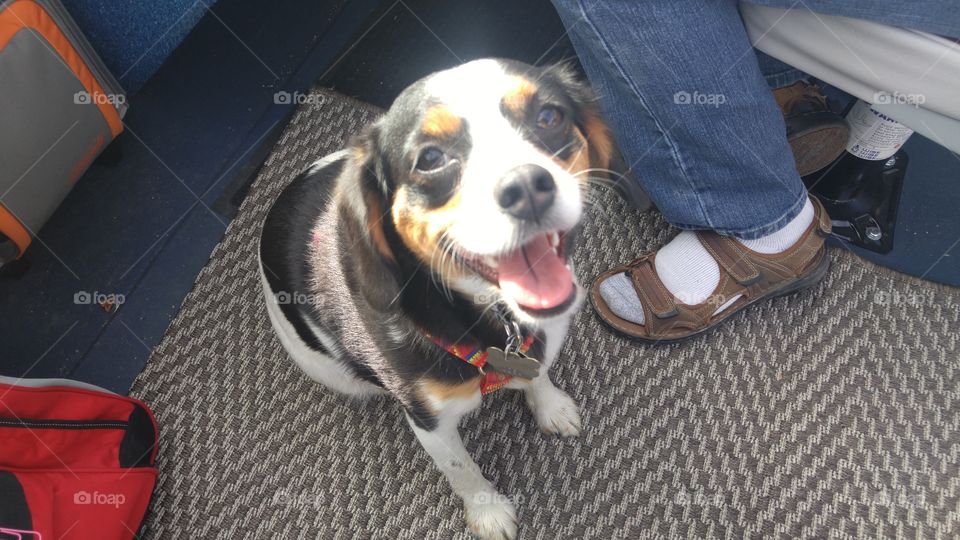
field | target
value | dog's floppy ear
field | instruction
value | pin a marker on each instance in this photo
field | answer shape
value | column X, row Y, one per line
column 602, row 150
column 588, row 117
column 364, row 205
column 598, row 138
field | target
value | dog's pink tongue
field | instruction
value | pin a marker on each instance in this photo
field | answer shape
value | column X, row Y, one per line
column 534, row 276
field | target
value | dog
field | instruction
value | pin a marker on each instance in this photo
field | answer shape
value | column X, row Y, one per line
column 430, row 260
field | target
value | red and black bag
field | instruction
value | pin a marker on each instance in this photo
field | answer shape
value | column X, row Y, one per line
column 75, row 462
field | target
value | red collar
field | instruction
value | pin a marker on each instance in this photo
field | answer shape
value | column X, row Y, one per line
column 476, row 355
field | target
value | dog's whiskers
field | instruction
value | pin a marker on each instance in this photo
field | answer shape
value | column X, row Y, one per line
column 611, row 173
column 444, row 261
column 564, row 147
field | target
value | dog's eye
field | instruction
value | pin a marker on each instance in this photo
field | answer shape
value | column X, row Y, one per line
column 431, row 159
column 549, row 117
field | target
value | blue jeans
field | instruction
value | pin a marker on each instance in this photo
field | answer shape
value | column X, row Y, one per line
column 691, row 109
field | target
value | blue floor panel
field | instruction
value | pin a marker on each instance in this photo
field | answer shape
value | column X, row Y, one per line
column 143, row 319
column 136, row 228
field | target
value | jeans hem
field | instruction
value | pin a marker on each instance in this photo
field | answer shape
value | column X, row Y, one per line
column 756, row 232
column 784, row 78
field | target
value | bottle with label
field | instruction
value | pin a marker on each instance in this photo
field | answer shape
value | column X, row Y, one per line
column 861, row 188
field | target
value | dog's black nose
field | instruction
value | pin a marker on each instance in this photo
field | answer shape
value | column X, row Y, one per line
column 526, row 192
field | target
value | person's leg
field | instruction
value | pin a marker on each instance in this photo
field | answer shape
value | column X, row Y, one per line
column 940, row 17
column 695, row 119
column 691, row 111
column 680, row 84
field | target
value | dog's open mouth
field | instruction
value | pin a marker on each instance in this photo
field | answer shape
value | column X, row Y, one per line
column 535, row 275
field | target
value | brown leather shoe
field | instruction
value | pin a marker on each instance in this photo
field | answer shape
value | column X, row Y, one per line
column 745, row 275
column 816, row 134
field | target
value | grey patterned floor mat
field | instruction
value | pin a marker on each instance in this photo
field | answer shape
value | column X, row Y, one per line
column 831, row 413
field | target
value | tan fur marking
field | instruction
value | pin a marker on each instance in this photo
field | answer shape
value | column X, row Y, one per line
column 375, row 225
column 421, row 230
column 598, row 136
column 579, row 159
column 439, row 122
column 433, row 392
column 517, row 98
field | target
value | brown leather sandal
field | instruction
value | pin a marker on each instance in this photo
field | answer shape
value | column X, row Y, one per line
column 745, row 275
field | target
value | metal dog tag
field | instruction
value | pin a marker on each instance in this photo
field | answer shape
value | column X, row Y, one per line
column 516, row 364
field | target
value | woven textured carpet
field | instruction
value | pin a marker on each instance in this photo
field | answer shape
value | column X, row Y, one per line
column 834, row 412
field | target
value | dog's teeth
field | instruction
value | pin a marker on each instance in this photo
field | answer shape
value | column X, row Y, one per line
column 554, row 240
column 490, row 261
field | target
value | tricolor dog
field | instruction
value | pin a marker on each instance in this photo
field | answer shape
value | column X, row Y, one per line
column 429, row 261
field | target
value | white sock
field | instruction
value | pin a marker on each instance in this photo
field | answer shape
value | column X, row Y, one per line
column 786, row 237
column 690, row 273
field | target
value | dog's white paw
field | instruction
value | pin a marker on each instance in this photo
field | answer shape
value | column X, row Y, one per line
column 492, row 519
column 555, row 411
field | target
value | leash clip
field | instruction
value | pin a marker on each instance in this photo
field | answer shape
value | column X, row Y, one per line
column 512, row 328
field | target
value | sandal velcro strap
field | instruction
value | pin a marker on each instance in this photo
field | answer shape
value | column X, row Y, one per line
column 824, row 223
column 651, row 291
column 730, row 256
